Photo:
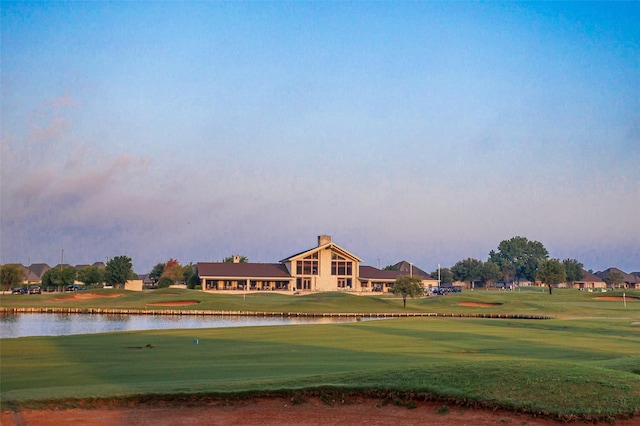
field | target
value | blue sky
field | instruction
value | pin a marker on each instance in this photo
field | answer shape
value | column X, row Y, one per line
column 418, row 131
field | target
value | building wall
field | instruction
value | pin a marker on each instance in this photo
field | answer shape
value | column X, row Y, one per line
column 133, row 285
column 324, row 280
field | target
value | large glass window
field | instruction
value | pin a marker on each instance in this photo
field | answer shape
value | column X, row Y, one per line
column 303, row 283
column 340, row 266
column 308, row 265
column 344, row 283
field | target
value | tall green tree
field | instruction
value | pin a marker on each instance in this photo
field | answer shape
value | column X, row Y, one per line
column 11, row 275
column 490, row 273
column 574, row 270
column 446, row 276
column 118, row 271
column 390, row 268
column 519, row 258
column 193, row 281
column 187, row 272
column 156, row 272
column 467, row 270
column 89, row 275
column 613, row 279
column 59, row 277
column 408, row 286
column 551, row 272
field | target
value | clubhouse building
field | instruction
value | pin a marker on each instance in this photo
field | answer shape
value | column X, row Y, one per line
column 326, row 267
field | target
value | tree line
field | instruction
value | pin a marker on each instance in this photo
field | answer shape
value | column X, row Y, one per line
column 116, row 272
column 514, row 260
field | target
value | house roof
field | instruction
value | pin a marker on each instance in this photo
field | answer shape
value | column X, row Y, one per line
column 242, row 270
column 406, row 267
column 628, row 278
column 371, row 273
column 589, row 277
column 331, row 245
column 37, row 270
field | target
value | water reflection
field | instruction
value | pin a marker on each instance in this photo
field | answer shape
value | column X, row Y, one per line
column 23, row 325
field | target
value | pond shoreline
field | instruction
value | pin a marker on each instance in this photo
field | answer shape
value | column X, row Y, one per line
column 199, row 312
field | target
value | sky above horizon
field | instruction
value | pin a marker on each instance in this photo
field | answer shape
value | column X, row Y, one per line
column 418, row 131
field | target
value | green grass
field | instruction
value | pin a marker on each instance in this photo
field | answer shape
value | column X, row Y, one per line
column 561, row 304
column 584, row 364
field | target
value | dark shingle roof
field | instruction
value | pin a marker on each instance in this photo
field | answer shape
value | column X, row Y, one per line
column 589, row 277
column 371, row 273
column 406, row 267
column 38, row 269
column 243, row 270
column 628, row 278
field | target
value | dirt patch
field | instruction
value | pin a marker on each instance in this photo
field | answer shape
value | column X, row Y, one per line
column 479, row 305
column 279, row 411
column 175, row 303
column 616, row 298
column 86, row 296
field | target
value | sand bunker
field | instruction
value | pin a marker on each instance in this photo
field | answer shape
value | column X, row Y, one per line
column 479, row 305
column 175, row 303
column 85, row 296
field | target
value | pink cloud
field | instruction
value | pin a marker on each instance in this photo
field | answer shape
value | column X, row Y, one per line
column 65, row 100
column 52, row 130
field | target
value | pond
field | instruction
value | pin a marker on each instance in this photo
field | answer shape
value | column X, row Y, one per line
column 24, row 325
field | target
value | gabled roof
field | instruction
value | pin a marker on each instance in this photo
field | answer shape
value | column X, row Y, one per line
column 371, row 273
column 62, row 265
column 37, row 270
column 588, row 277
column 628, row 278
column 407, row 268
column 332, row 246
column 242, row 270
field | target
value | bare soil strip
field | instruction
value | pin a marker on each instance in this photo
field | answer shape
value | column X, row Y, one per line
column 276, row 411
column 281, row 410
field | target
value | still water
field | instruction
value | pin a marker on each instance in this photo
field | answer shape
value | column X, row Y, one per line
column 23, row 325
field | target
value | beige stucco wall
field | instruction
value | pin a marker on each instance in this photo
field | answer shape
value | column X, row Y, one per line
column 133, row 285
column 324, row 281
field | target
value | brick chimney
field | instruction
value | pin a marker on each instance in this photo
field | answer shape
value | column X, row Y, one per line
column 324, row 239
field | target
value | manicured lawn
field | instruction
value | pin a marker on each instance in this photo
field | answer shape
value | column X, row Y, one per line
column 561, row 304
column 584, row 363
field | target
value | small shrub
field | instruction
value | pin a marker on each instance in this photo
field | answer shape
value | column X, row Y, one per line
column 165, row 282
column 443, row 410
column 298, row 399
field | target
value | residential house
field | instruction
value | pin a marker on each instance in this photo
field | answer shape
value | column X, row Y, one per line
column 629, row 280
column 589, row 281
column 34, row 272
